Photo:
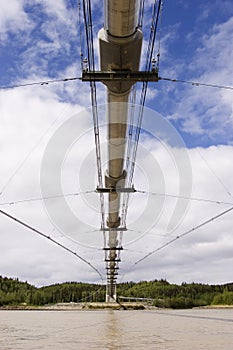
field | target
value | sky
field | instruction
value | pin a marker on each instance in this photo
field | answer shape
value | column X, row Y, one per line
column 47, row 148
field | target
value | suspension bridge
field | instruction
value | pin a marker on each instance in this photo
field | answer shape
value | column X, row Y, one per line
column 120, row 52
column 120, row 47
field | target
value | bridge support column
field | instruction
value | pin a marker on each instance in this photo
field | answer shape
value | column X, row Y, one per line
column 110, row 293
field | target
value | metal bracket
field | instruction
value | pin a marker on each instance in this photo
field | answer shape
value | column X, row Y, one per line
column 112, row 260
column 111, row 281
column 120, row 76
column 113, row 248
column 116, row 189
column 114, row 229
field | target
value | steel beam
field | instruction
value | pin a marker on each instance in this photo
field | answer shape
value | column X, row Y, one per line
column 120, row 76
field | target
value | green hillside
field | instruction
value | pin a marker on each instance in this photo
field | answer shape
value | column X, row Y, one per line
column 187, row 295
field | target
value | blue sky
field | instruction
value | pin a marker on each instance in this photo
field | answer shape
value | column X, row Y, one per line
column 195, row 37
column 42, row 41
column 39, row 41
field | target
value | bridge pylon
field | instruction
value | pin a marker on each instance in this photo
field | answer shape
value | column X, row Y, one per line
column 110, row 293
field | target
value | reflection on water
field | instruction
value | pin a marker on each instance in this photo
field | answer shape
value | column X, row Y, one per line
column 113, row 330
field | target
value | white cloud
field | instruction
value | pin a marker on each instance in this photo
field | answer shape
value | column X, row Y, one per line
column 195, row 257
column 202, row 110
column 13, row 17
column 57, row 9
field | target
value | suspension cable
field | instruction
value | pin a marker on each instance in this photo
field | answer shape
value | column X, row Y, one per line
column 184, row 234
column 91, row 66
column 42, row 83
column 52, row 240
column 196, row 83
column 130, row 165
column 128, row 155
column 154, row 24
column 207, row 200
column 73, row 194
column 64, row 80
column 36, row 199
column 141, row 14
column 159, row 40
column 80, row 33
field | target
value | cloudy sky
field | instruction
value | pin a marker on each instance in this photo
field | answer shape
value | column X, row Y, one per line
column 186, row 148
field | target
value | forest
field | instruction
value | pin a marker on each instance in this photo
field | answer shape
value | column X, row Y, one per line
column 164, row 294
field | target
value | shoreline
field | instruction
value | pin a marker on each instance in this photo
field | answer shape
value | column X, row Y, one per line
column 216, row 307
column 78, row 306
column 98, row 306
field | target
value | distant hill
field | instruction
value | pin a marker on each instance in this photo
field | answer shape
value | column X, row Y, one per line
column 14, row 292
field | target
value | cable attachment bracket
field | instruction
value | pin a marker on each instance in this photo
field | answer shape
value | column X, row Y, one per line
column 116, row 190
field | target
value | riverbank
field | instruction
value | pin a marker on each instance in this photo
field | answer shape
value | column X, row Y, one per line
column 80, row 306
column 98, row 306
column 216, row 307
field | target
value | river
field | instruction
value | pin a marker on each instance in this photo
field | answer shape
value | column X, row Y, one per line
column 113, row 330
